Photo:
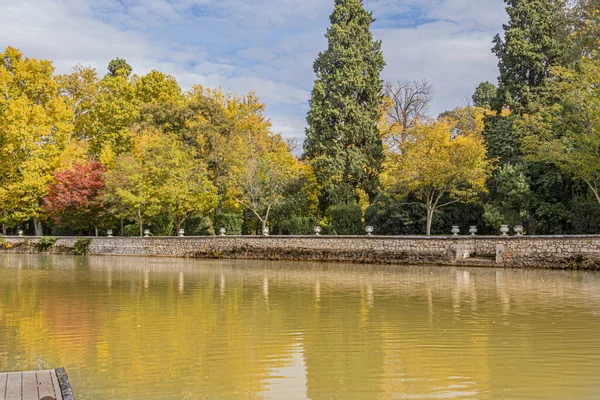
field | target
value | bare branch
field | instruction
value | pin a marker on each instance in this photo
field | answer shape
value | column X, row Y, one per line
column 410, row 101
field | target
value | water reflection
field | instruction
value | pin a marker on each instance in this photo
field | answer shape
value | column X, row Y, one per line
column 155, row 328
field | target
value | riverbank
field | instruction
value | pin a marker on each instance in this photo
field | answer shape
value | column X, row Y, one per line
column 556, row 252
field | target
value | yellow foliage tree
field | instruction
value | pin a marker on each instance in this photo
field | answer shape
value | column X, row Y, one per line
column 442, row 158
column 80, row 88
column 158, row 176
column 114, row 114
column 35, row 126
column 260, row 181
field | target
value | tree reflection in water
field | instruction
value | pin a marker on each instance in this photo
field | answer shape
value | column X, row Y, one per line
column 159, row 328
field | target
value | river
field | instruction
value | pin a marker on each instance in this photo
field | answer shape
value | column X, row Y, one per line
column 160, row 328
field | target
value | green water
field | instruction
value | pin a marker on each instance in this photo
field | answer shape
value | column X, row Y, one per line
column 158, row 328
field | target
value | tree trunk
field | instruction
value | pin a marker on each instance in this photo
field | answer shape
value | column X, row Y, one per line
column 122, row 233
column 37, row 226
column 264, row 225
column 95, row 230
column 141, row 223
column 429, row 220
column 219, row 205
column 177, row 225
column 3, row 229
column 533, row 224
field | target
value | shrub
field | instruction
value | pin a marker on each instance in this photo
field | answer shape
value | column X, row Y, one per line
column 299, row 226
column 199, row 226
column 4, row 244
column 81, row 246
column 347, row 219
column 131, row 230
column 47, row 242
column 58, row 231
column 327, row 230
column 162, row 225
column 585, row 215
column 388, row 216
column 230, row 221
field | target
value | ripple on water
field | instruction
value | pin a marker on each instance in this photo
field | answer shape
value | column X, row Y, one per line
column 134, row 327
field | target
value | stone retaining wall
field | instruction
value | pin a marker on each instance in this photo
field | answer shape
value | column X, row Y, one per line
column 579, row 252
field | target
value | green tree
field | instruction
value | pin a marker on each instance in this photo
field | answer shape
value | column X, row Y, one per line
column 343, row 143
column 119, row 64
column 534, row 40
column 567, row 133
column 586, row 27
column 511, row 197
column 484, row 95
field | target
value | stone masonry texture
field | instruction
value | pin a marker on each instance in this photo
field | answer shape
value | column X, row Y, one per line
column 560, row 252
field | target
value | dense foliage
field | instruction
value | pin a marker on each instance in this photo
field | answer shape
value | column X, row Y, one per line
column 346, row 219
column 86, row 152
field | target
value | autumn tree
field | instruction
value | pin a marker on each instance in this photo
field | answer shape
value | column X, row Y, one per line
column 157, row 176
column 35, row 124
column 444, row 159
column 259, row 183
column 80, row 89
column 342, row 142
column 75, row 198
column 177, row 180
column 114, row 114
column 567, row 133
column 156, row 87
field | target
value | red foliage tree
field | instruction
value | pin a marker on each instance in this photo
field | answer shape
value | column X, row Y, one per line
column 75, row 199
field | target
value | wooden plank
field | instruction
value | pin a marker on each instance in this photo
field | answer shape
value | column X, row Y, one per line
column 35, row 385
column 3, row 378
column 45, row 386
column 13, row 386
column 56, row 385
column 30, row 388
column 66, row 391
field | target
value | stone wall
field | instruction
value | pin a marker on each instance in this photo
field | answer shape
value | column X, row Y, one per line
column 580, row 252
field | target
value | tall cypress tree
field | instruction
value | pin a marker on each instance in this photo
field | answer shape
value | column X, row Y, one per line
column 342, row 139
column 534, row 41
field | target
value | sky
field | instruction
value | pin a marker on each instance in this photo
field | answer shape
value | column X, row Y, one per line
column 267, row 46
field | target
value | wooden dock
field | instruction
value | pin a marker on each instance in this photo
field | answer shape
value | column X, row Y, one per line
column 50, row 384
